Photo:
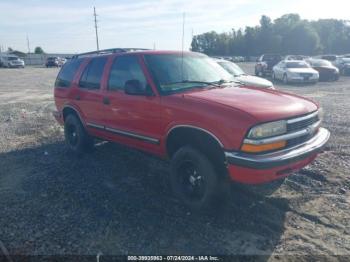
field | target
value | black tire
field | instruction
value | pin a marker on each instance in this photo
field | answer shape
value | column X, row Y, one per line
column 76, row 137
column 195, row 181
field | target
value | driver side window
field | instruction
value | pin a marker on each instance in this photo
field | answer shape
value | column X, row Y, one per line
column 125, row 68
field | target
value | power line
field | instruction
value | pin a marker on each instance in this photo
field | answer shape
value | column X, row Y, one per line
column 97, row 44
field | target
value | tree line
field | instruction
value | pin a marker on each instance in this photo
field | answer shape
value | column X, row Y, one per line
column 288, row 34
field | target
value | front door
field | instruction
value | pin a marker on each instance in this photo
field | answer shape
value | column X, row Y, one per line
column 131, row 119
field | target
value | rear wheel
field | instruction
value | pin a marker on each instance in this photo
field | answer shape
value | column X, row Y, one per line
column 194, row 179
column 76, row 137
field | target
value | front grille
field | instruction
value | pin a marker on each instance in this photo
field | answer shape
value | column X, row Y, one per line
column 306, row 74
column 298, row 140
column 302, row 124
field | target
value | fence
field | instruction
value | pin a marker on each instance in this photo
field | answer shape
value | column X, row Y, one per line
column 39, row 59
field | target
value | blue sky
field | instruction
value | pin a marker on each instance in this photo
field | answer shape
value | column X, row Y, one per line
column 67, row 25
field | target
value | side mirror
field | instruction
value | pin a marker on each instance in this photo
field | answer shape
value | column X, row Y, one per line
column 134, row 87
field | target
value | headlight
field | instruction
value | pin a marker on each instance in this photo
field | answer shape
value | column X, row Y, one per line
column 268, row 130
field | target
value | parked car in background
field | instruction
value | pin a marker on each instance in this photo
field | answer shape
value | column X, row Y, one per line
column 294, row 72
column 184, row 107
column 326, row 70
column 242, row 77
column 54, row 61
column 330, row 58
column 265, row 63
column 343, row 64
column 296, row 57
column 12, row 61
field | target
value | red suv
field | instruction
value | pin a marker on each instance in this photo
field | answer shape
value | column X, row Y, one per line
column 184, row 107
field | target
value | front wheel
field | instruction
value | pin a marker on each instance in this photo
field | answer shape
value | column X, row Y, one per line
column 194, row 179
column 76, row 137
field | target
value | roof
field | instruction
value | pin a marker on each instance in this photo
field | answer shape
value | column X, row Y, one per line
column 129, row 50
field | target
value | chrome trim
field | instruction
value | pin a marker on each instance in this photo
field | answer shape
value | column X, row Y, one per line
column 298, row 119
column 124, row 133
column 306, row 131
column 281, row 157
column 133, row 135
column 198, row 128
column 95, row 125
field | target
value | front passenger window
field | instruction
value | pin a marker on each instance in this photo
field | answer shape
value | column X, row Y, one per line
column 125, row 68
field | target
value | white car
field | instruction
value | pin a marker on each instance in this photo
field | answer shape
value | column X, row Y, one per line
column 294, row 71
column 11, row 61
column 242, row 77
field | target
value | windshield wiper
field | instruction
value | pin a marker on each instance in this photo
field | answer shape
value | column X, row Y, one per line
column 194, row 82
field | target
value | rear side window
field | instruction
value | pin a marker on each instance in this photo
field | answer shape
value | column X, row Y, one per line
column 66, row 75
column 125, row 68
column 92, row 75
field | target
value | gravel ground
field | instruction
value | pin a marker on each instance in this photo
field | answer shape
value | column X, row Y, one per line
column 117, row 201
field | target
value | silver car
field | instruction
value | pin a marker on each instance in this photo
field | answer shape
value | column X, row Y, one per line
column 241, row 76
column 294, row 71
column 11, row 61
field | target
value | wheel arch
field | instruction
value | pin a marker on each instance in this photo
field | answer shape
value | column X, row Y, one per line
column 200, row 138
column 68, row 109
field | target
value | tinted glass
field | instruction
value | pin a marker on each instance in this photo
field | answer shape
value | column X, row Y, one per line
column 321, row 63
column 297, row 65
column 123, row 69
column 175, row 73
column 66, row 75
column 232, row 68
column 92, row 75
column 271, row 57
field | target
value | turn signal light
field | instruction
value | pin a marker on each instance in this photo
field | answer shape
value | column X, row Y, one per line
column 249, row 148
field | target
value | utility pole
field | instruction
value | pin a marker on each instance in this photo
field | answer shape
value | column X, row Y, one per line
column 28, row 45
column 95, row 15
column 28, row 51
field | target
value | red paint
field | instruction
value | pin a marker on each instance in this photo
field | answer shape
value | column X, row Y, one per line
column 227, row 113
column 259, row 176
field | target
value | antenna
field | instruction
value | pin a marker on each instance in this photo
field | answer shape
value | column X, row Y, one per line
column 97, row 44
column 183, row 43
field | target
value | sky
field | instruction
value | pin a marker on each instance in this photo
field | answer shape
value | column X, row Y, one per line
column 67, row 26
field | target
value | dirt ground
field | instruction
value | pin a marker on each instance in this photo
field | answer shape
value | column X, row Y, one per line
column 117, row 200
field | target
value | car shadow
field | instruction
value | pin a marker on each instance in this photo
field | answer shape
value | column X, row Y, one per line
column 116, row 201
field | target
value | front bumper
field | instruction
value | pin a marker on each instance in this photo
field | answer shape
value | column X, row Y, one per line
column 302, row 80
column 259, row 168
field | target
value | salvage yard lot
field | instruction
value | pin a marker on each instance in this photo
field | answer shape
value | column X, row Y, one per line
column 117, row 200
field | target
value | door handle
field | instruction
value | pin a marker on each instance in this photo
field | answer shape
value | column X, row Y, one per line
column 77, row 97
column 106, row 101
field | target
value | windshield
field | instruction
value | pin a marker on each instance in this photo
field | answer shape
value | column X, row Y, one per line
column 345, row 60
column 271, row 57
column 297, row 65
column 321, row 63
column 12, row 58
column 176, row 73
column 232, row 68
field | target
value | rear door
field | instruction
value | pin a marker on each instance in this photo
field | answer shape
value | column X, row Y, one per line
column 88, row 95
column 131, row 119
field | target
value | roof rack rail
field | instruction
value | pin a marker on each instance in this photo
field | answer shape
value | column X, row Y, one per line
column 109, row 51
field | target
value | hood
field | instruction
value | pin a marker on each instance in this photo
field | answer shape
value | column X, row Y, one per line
column 254, row 81
column 263, row 104
column 302, row 70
